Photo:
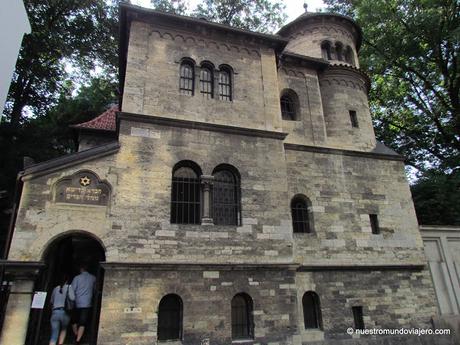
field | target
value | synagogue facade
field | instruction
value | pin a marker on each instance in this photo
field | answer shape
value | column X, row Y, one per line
column 236, row 195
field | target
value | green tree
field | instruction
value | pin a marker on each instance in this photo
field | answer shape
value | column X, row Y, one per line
column 437, row 198
column 411, row 51
column 256, row 15
column 65, row 33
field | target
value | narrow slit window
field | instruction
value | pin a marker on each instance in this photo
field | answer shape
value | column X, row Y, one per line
column 358, row 317
column 339, row 51
column 225, row 85
column 206, row 82
column 187, row 78
column 354, row 119
column 300, row 215
column 374, row 224
column 326, row 51
column 170, row 318
column 311, row 310
column 242, row 322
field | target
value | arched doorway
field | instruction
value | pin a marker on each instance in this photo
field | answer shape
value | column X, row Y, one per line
column 65, row 255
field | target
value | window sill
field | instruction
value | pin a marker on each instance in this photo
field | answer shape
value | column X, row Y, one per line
column 312, row 334
column 242, row 341
column 170, row 342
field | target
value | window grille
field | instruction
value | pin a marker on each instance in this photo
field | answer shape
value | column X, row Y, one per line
column 242, row 323
column 374, row 224
column 187, row 78
column 226, row 205
column 311, row 310
column 300, row 216
column 358, row 317
column 170, row 318
column 206, row 82
column 225, row 85
column 185, row 196
column 288, row 111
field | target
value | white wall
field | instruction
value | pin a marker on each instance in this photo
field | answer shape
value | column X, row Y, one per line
column 13, row 25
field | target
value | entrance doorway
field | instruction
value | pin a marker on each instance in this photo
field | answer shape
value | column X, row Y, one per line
column 64, row 257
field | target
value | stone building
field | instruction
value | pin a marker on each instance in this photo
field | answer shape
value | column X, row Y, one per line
column 238, row 196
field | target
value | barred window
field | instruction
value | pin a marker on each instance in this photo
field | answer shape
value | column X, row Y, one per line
column 225, row 85
column 226, row 196
column 311, row 310
column 206, row 82
column 187, row 78
column 186, row 194
column 300, row 214
column 326, row 50
column 170, row 318
column 289, row 102
column 242, row 321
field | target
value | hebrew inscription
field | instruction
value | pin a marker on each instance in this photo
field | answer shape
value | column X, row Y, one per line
column 83, row 188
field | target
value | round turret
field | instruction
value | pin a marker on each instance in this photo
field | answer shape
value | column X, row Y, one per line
column 333, row 37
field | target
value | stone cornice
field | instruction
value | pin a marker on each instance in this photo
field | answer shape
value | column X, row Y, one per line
column 327, row 150
column 312, row 268
column 165, row 121
column 188, row 266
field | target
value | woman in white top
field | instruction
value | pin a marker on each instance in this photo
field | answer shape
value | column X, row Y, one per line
column 59, row 317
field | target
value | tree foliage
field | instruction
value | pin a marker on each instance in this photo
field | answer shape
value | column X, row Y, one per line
column 411, row 51
column 255, row 15
column 78, row 33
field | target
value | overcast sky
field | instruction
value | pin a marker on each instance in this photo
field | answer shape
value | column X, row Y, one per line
column 294, row 8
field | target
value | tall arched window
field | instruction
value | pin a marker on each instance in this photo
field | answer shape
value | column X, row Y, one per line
column 187, row 78
column 170, row 318
column 242, row 319
column 207, row 81
column 226, row 196
column 349, row 56
column 225, row 83
column 311, row 310
column 301, row 218
column 339, row 51
column 326, row 50
column 186, row 193
column 289, row 102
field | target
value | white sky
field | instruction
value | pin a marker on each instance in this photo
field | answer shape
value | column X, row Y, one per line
column 294, row 8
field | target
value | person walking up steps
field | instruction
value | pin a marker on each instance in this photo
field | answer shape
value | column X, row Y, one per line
column 59, row 317
column 83, row 285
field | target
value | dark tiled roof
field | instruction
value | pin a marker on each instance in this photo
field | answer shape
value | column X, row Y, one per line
column 104, row 122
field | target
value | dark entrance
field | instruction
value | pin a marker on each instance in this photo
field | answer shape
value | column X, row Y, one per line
column 64, row 256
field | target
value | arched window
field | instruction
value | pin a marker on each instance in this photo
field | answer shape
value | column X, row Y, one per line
column 207, row 81
column 311, row 310
column 186, row 193
column 187, row 78
column 226, row 196
column 339, row 51
column 225, row 84
column 170, row 318
column 349, row 56
column 326, row 50
column 289, row 102
column 301, row 219
column 242, row 319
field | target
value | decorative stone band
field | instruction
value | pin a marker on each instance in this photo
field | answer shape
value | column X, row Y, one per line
column 164, row 121
column 375, row 154
column 345, row 75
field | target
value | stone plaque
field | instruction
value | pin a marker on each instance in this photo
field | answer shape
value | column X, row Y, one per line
column 84, row 187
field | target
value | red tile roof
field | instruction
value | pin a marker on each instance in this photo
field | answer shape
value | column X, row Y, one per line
column 105, row 122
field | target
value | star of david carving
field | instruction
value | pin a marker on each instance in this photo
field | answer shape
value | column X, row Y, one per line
column 85, row 181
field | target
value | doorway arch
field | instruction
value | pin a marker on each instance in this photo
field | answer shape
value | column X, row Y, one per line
column 64, row 255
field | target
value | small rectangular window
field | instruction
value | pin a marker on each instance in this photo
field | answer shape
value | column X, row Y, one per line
column 374, row 224
column 358, row 317
column 354, row 119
